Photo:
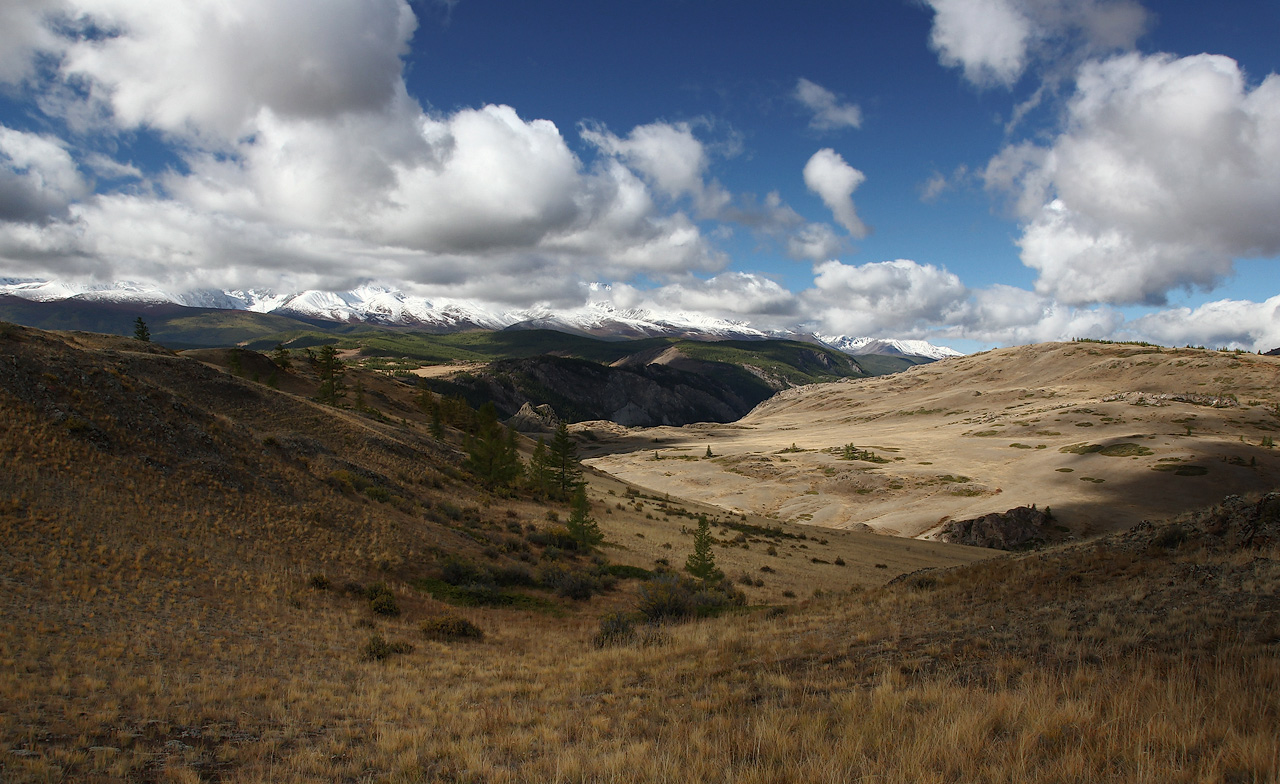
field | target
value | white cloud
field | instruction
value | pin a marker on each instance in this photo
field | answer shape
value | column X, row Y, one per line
column 1007, row 315
column 204, row 69
column 1167, row 170
column 882, row 297
column 23, row 33
column 38, row 178
column 303, row 148
column 828, row 113
column 827, row 175
column 670, row 158
column 939, row 183
column 1254, row 326
column 730, row 295
column 994, row 41
column 814, row 242
column 667, row 155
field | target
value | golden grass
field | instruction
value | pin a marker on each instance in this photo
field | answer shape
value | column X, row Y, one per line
column 160, row 624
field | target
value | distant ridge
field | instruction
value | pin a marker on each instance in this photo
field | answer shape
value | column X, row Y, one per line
column 386, row 306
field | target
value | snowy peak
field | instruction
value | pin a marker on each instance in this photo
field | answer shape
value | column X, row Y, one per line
column 889, row 347
column 604, row 319
column 388, row 306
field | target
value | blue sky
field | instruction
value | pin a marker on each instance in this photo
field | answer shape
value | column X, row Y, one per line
column 972, row 172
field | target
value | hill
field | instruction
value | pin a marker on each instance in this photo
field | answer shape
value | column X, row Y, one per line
column 1105, row 435
column 193, row 557
column 654, row 382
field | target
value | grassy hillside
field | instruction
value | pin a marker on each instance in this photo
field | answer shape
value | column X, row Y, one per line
column 195, row 565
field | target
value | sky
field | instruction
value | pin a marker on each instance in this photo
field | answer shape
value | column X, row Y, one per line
column 975, row 173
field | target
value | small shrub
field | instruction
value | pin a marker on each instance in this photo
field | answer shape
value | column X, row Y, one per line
column 516, row 574
column 456, row 571
column 319, row 582
column 1171, row 537
column 377, row 648
column 616, row 628
column 450, row 627
column 381, row 600
column 666, row 597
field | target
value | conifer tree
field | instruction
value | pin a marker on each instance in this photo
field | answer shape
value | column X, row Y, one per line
column 141, row 331
column 437, row 424
column 701, row 563
column 540, row 477
column 280, row 356
column 585, row 531
column 491, row 449
column 566, row 472
column 330, row 371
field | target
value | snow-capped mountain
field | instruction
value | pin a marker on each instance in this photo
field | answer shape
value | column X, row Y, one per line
column 889, row 347
column 388, row 306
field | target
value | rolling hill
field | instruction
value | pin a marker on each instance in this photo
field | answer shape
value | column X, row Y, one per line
column 1103, row 434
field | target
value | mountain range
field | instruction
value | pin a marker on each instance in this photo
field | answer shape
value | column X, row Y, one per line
column 386, row 306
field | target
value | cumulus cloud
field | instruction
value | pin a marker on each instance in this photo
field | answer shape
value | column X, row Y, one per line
column 307, row 160
column 731, row 295
column 1007, row 315
column 670, row 157
column 828, row 113
column 38, row 178
column 994, row 41
column 1254, row 326
column 815, row 242
column 1168, row 168
column 206, row 69
column 834, row 181
column 882, row 297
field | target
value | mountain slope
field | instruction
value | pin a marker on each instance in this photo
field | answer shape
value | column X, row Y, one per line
column 653, row 382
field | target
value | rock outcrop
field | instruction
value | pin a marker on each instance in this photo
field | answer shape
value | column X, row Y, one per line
column 1021, row 528
column 534, row 419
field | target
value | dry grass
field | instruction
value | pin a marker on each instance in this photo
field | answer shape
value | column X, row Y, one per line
column 162, row 620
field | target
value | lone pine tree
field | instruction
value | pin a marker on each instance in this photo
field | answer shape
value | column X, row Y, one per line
column 566, row 472
column 330, row 370
column 701, row 563
column 584, row 530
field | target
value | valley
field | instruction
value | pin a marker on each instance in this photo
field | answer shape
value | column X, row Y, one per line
column 211, row 576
